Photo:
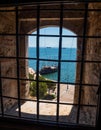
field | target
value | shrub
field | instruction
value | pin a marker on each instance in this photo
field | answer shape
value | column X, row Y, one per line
column 31, row 76
column 33, row 88
column 42, row 89
column 49, row 96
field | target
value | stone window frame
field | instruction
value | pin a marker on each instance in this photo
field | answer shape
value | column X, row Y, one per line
column 17, row 40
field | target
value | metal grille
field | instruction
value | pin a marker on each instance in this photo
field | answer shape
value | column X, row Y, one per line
column 77, row 117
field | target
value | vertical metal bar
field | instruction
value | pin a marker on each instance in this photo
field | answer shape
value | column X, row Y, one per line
column 17, row 61
column 82, row 60
column 59, row 61
column 2, row 109
column 37, row 65
column 98, row 117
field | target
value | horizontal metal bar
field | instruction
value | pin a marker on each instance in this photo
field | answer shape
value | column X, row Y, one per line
column 51, row 102
column 40, row 59
column 50, row 9
column 69, row 83
column 45, row 35
column 10, row 115
column 34, row 3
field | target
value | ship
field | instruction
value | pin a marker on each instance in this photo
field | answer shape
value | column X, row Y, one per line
column 48, row 70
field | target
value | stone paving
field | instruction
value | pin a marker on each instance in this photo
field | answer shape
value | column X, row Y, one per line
column 47, row 111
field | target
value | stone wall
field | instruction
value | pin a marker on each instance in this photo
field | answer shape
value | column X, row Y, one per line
column 93, row 52
column 91, row 71
column 8, row 66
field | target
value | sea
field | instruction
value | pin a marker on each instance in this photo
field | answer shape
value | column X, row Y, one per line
column 67, row 68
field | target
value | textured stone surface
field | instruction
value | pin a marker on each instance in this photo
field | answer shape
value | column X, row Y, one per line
column 93, row 52
column 9, row 65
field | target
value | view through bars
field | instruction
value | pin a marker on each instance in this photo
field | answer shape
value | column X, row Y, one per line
column 50, row 62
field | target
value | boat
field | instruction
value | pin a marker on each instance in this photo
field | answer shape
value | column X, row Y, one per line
column 48, row 47
column 48, row 69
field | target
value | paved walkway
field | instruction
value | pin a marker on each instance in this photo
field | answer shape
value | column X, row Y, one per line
column 47, row 111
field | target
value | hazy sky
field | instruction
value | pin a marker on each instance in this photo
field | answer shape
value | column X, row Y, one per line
column 53, row 41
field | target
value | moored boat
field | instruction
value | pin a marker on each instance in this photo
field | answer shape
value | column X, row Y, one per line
column 48, row 69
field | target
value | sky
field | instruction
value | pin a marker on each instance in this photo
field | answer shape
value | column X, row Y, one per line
column 53, row 41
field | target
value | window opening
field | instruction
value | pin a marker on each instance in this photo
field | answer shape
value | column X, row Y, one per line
column 48, row 50
column 19, row 90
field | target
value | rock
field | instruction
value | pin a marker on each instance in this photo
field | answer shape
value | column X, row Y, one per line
column 31, row 71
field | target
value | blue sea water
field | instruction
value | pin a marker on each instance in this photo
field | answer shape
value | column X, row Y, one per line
column 68, row 69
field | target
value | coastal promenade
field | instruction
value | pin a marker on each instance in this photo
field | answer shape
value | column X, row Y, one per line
column 48, row 110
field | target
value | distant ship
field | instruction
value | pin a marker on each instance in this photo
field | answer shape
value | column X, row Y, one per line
column 48, row 47
column 48, row 69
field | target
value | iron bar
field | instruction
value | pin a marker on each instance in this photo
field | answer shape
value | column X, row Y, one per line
column 52, row 102
column 51, row 9
column 70, row 83
column 37, row 65
column 45, row 35
column 82, row 63
column 30, row 3
column 30, row 58
column 17, row 61
column 59, row 62
column 1, row 95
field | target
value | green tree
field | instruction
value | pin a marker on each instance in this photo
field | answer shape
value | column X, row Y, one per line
column 42, row 89
column 44, row 86
column 31, row 76
column 33, row 88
